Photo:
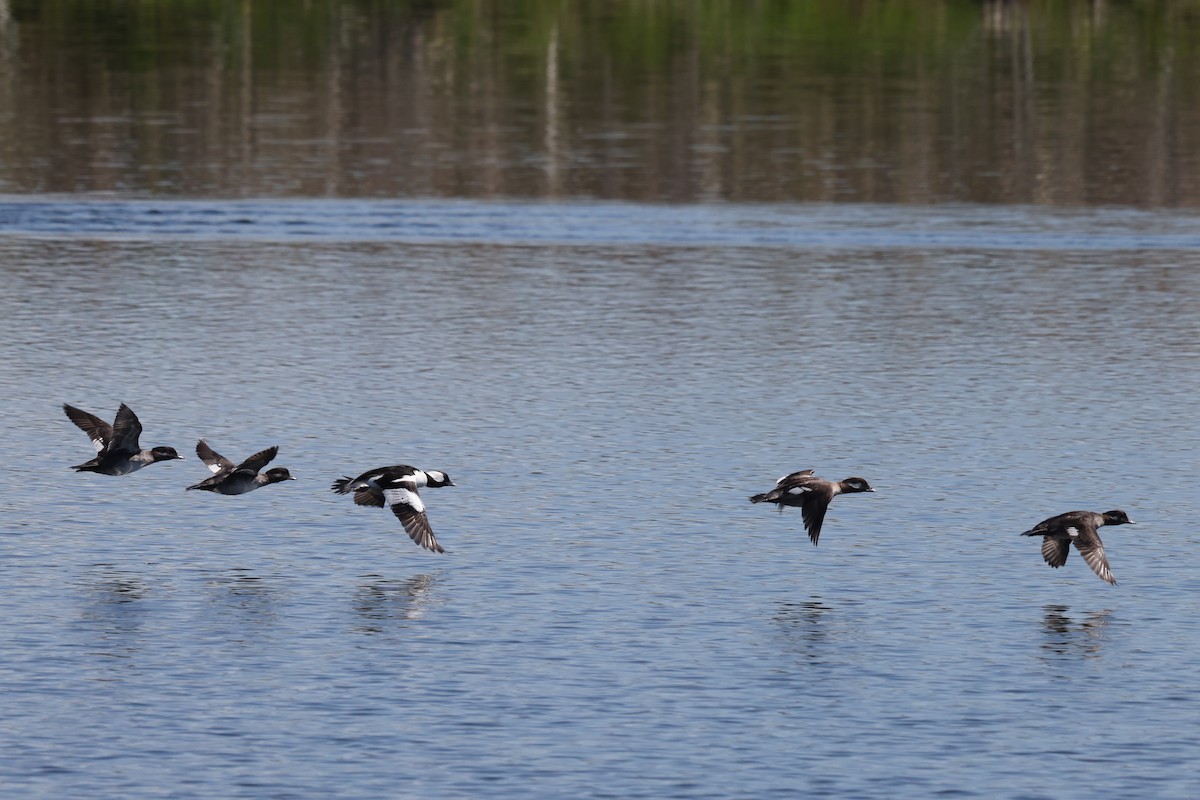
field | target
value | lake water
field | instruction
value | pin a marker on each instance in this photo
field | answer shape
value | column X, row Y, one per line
column 584, row 259
column 613, row 618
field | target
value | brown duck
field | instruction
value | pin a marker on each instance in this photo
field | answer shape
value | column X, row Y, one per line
column 812, row 494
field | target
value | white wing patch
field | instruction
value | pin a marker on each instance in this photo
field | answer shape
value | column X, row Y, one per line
column 799, row 489
column 404, row 496
column 1073, row 532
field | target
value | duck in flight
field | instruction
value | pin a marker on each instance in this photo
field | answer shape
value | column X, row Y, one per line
column 1080, row 528
column 230, row 478
column 812, row 494
column 117, row 448
column 396, row 487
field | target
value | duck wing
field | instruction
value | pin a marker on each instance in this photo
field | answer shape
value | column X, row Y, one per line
column 813, row 505
column 99, row 431
column 1055, row 550
column 1088, row 543
column 346, row 484
column 214, row 460
column 126, row 431
column 369, row 497
column 407, row 506
column 256, row 462
column 804, row 473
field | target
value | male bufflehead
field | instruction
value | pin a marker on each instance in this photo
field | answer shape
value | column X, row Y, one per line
column 396, row 487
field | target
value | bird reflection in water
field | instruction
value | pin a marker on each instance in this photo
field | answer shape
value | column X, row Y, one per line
column 803, row 626
column 119, row 589
column 114, row 614
column 252, row 598
column 1067, row 637
column 380, row 600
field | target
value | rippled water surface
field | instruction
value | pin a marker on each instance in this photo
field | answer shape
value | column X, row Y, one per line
column 606, row 383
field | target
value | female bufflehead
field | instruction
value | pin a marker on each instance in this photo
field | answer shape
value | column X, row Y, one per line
column 117, row 449
column 230, row 478
column 812, row 494
column 1079, row 527
column 396, row 487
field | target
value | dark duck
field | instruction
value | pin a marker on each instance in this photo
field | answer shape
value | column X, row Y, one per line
column 117, row 448
column 1080, row 528
column 230, row 478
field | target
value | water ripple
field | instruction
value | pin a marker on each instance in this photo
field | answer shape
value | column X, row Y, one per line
column 744, row 225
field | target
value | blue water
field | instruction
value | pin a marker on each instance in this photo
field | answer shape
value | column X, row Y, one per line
column 606, row 383
column 441, row 221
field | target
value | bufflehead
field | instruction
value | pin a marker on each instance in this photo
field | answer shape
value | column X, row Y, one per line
column 396, row 487
column 812, row 494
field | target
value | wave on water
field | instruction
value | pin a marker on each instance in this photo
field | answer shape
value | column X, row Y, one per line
column 848, row 226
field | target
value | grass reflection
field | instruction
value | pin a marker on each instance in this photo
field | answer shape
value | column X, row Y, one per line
column 903, row 101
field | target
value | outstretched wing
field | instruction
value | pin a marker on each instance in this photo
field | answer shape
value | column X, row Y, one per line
column 407, row 506
column 814, row 504
column 1092, row 549
column 257, row 461
column 99, row 431
column 215, row 461
column 126, row 431
column 1055, row 550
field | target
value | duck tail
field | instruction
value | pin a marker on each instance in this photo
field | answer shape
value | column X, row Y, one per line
column 759, row 498
column 340, row 485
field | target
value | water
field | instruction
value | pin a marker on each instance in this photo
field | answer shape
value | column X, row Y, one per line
column 613, row 618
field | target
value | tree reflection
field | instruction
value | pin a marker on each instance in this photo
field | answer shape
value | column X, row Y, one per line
column 1033, row 102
